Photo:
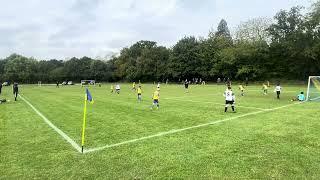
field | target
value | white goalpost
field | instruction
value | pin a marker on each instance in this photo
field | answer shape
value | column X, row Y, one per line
column 313, row 91
column 88, row 82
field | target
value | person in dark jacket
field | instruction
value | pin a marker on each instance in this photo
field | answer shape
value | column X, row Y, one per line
column 15, row 91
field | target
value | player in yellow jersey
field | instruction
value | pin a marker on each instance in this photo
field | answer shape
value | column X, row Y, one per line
column 241, row 89
column 155, row 97
column 134, row 86
column 111, row 88
column 139, row 92
column 265, row 89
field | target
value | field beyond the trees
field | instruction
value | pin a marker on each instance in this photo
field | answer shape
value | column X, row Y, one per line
column 189, row 137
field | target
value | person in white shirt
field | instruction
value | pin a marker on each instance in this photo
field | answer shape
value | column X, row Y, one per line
column 278, row 90
column 118, row 89
column 230, row 99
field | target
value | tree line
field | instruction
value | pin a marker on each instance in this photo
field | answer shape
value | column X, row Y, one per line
column 285, row 47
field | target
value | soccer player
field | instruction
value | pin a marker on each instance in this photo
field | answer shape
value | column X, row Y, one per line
column 265, row 89
column 228, row 82
column 241, row 89
column 134, row 86
column 118, row 89
column 111, row 88
column 230, row 99
column 139, row 91
column 0, row 87
column 155, row 97
column 186, row 85
column 300, row 97
column 278, row 90
column 218, row 80
column 57, row 84
column 15, row 89
column 158, row 86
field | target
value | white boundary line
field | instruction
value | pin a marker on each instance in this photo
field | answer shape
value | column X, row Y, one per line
column 184, row 129
column 60, row 132
column 206, row 102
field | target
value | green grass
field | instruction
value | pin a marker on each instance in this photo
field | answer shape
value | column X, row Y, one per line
column 283, row 143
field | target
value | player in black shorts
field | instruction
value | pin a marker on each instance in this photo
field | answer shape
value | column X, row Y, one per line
column 186, row 85
column 15, row 91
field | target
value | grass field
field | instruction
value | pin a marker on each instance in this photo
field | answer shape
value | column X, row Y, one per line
column 189, row 137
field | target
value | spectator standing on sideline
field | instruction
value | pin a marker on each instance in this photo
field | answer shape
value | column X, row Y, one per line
column 15, row 90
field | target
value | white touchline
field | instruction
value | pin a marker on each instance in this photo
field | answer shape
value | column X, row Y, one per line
column 61, row 133
column 184, row 129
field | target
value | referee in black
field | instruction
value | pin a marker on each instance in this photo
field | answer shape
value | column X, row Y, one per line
column 15, row 90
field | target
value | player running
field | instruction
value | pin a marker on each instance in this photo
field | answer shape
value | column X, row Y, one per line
column 155, row 97
column 278, row 90
column 139, row 91
column 118, row 89
column 111, row 88
column 15, row 89
column 134, row 86
column 230, row 99
column 186, row 85
column 265, row 89
column 241, row 89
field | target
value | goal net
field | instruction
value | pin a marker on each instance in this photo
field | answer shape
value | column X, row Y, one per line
column 88, row 82
column 313, row 92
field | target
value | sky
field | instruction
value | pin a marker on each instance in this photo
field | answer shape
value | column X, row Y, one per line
column 61, row 29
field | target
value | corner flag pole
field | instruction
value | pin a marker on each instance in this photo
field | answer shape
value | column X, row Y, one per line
column 84, row 121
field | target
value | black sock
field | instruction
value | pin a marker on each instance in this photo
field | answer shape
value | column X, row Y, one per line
column 225, row 109
column 232, row 108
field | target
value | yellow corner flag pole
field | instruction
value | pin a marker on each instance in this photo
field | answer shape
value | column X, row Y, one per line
column 84, row 121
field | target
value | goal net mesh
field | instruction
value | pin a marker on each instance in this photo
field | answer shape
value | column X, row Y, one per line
column 313, row 92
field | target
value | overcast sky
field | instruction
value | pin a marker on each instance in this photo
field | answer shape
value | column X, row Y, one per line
column 61, row 29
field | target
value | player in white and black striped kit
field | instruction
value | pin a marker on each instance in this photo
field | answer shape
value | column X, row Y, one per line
column 230, row 99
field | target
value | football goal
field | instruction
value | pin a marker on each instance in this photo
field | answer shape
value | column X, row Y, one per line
column 88, row 82
column 313, row 91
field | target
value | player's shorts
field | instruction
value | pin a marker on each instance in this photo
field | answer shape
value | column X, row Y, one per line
column 229, row 102
column 186, row 86
column 278, row 92
column 156, row 101
column 139, row 94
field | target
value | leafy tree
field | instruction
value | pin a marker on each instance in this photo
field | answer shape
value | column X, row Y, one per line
column 223, row 30
column 185, row 59
column 254, row 30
